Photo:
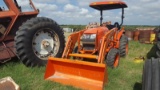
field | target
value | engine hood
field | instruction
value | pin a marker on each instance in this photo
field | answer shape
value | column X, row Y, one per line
column 96, row 30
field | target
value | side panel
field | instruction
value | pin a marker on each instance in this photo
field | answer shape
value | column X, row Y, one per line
column 7, row 51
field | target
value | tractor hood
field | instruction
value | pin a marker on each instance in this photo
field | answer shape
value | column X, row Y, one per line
column 96, row 30
column 92, row 37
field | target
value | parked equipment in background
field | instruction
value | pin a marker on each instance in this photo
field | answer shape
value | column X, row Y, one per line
column 33, row 39
column 129, row 34
column 143, row 35
column 88, row 52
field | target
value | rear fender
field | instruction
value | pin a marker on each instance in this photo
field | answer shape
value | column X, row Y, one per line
column 118, row 36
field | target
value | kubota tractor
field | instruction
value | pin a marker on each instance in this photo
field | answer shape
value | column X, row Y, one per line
column 27, row 36
column 88, row 52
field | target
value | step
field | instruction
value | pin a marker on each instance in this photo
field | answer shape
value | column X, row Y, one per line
column 84, row 55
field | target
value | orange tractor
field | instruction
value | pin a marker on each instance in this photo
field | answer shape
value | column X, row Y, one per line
column 88, row 53
column 33, row 39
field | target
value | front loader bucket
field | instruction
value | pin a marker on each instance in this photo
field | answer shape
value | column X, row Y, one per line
column 85, row 75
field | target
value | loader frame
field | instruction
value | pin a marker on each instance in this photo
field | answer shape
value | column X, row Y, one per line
column 109, row 40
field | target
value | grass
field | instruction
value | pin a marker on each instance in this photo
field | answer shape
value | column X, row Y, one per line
column 128, row 76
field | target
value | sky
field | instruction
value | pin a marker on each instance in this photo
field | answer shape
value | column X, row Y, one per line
column 139, row 12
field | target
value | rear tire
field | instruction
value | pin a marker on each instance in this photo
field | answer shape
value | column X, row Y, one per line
column 151, row 74
column 158, row 45
column 37, row 39
column 112, row 58
column 123, row 48
column 158, row 53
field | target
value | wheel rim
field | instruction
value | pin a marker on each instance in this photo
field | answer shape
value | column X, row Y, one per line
column 116, row 62
column 45, row 43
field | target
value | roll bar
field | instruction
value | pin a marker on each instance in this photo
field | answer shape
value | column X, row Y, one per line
column 101, row 16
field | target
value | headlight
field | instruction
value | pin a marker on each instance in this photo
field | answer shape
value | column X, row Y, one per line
column 85, row 36
column 89, row 36
column 93, row 36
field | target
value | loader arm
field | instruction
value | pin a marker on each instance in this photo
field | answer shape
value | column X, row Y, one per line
column 72, row 39
column 106, row 41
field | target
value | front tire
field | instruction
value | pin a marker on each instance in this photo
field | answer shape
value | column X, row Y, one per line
column 112, row 58
column 37, row 39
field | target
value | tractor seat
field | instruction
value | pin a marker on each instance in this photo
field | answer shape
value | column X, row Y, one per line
column 116, row 24
column 110, row 26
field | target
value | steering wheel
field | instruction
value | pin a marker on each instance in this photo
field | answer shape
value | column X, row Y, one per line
column 1, row 9
column 116, row 24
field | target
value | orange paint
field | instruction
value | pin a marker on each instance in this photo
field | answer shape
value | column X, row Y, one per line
column 84, row 56
column 107, row 5
column 86, row 75
column 116, row 63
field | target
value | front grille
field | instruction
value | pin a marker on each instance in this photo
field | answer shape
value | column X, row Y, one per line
column 88, row 46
